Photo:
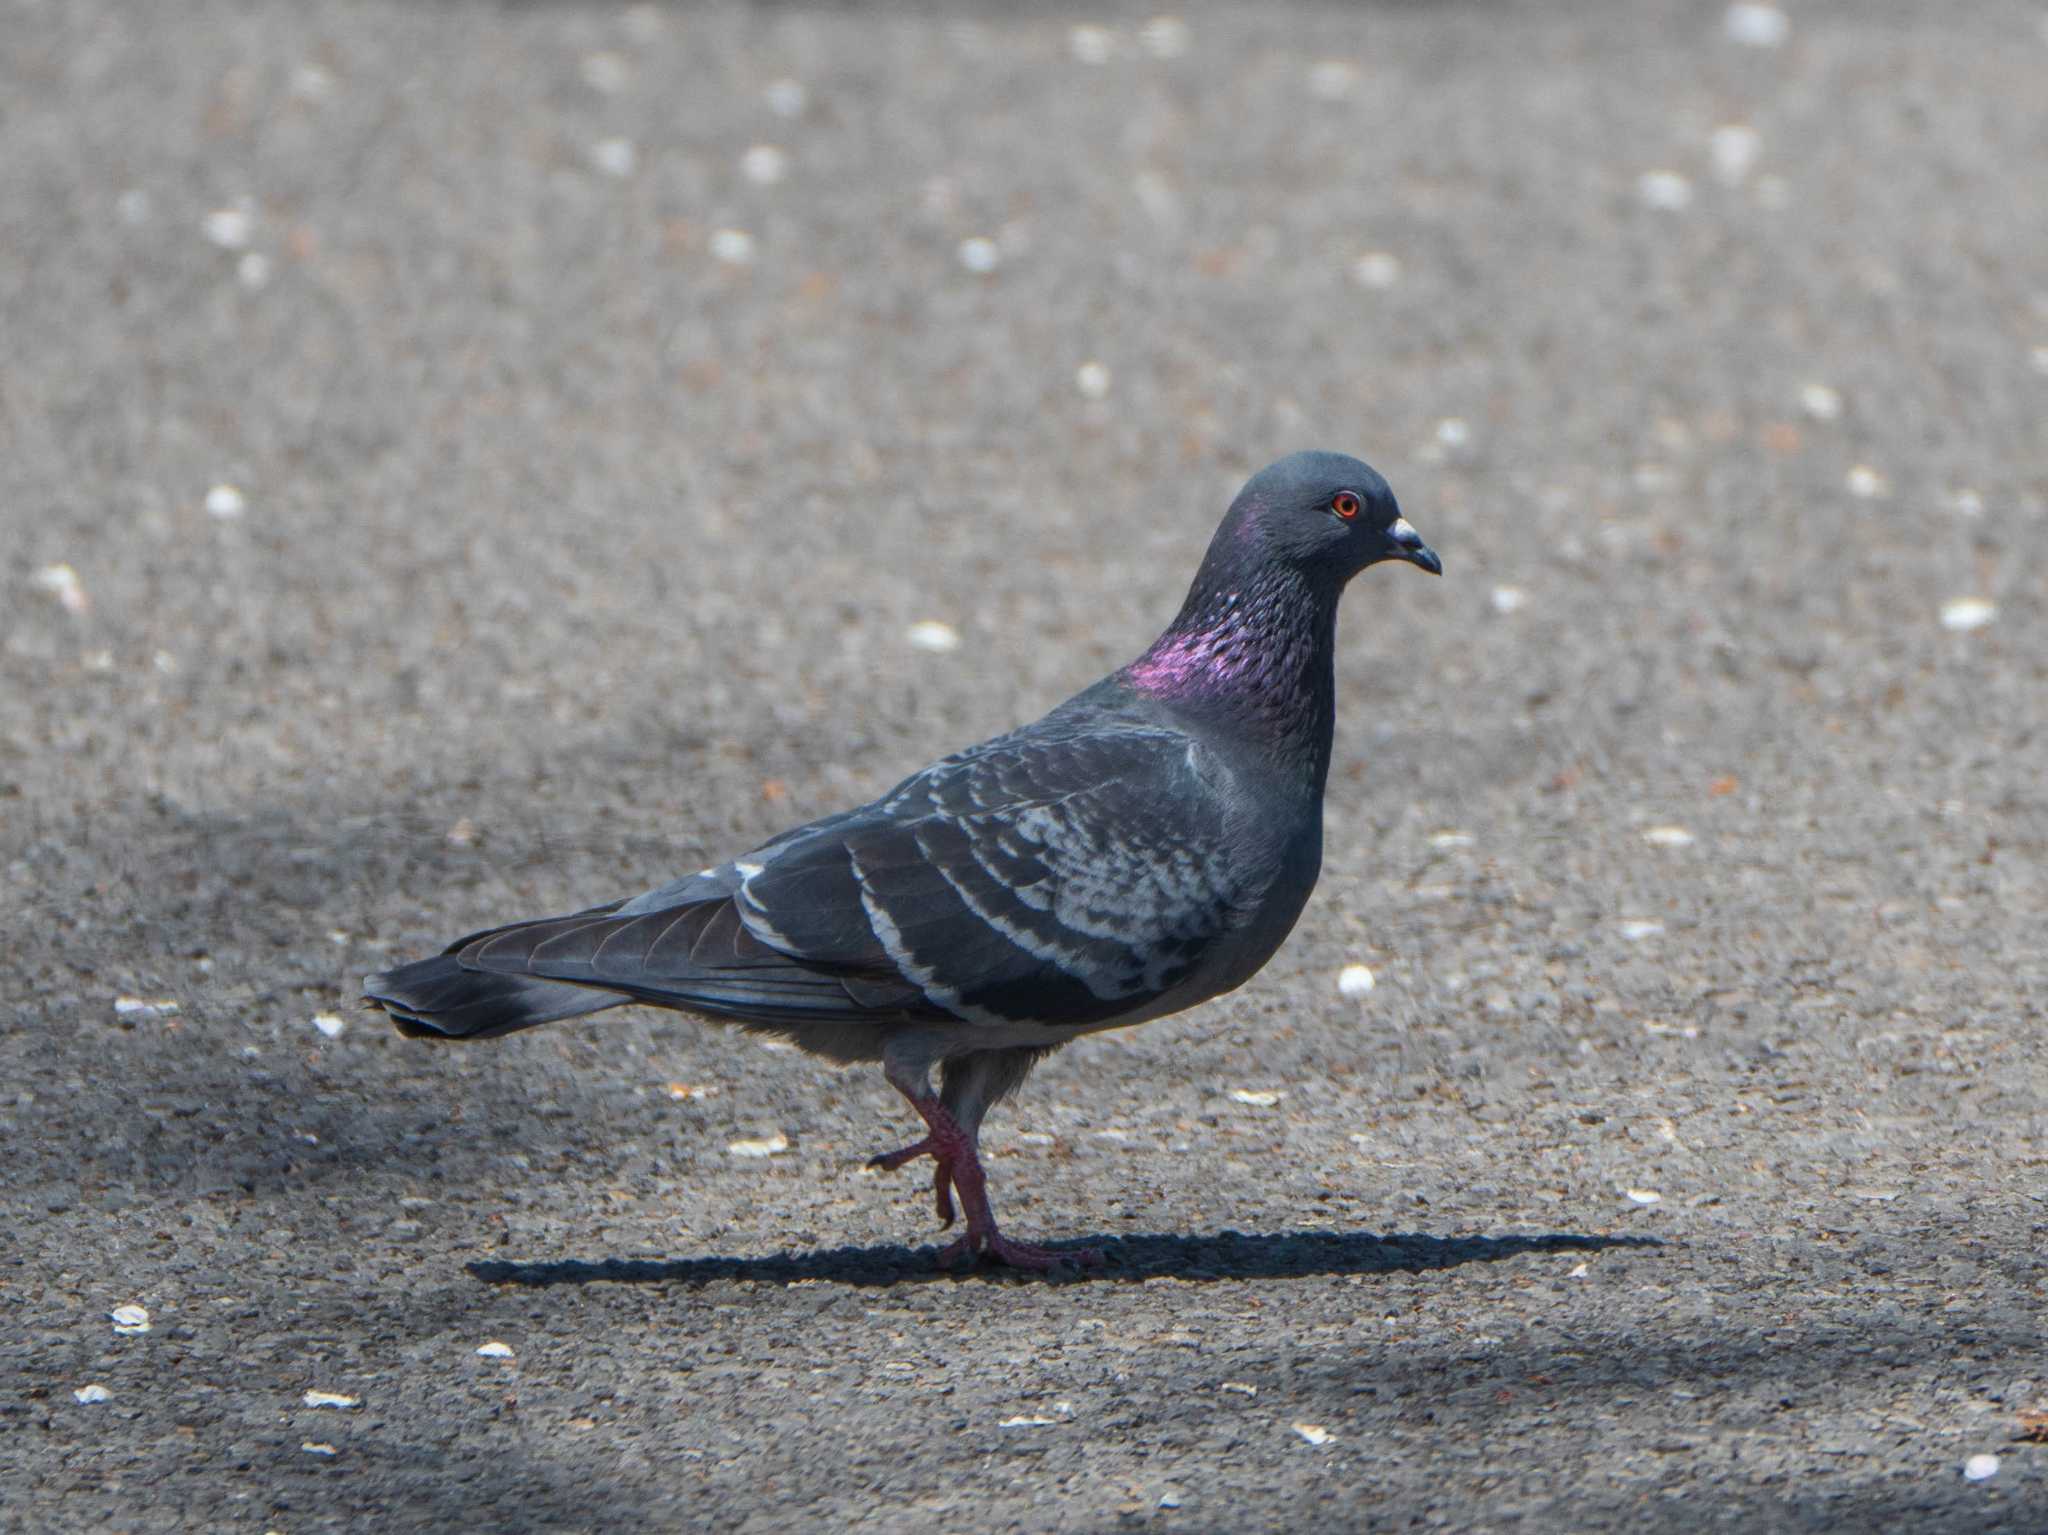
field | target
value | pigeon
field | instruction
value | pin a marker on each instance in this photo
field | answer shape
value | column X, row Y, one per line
column 1144, row 847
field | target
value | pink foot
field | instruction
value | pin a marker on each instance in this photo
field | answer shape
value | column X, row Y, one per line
column 959, row 1170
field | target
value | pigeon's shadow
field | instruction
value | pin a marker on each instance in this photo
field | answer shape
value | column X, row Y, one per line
column 1219, row 1255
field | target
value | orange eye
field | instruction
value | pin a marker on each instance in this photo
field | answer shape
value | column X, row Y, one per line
column 1344, row 504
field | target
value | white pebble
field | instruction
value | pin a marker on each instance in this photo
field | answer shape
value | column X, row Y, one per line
column 130, row 1319
column 615, row 157
column 494, row 1350
column 1508, row 599
column 133, row 206
column 1866, row 484
column 1262, row 1098
column 1734, row 148
column 315, row 1447
column 1454, row 432
column 1333, row 79
column 253, row 270
column 735, row 247
column 1667, row 836
column 1637, row 928
column 226, row 502
column 1966, row 502
column 978, row 254
column 1666, row 191
column 604, row 73
column 330, row 1399
column 1451, row 839
column 1644, row 1196
column 1579, row 1272
column 764, row 165
column 934, row 635
column 774, row 1146
column 1092, row 379
column 1376, row 269
column 330, row 1024
column 1962, row 614
column 144, row 1007
column 61, row 582
column 786, row 98
column 462, row 834
column 1980, row 1468
column 1355, row 981
column 1821, row 402
column 310, row 82
column 1756, row 25
column 1314, row 1433
column 90, row 1395
column 1239, row 1388
column 1091, row 45
column 1164, row 37
column 230, row 228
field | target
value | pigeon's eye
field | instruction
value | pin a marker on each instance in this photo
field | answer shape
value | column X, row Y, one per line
column 1344, row 504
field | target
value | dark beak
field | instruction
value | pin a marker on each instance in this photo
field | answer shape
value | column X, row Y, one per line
column 1408, row 545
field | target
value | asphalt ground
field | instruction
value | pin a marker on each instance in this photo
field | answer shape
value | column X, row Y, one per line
column 1683, row 1169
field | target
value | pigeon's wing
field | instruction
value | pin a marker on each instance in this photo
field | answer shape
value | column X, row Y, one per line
column 1059, row 879
column 1064, row 879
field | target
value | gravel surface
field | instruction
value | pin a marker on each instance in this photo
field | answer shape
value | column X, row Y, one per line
column 461, row 461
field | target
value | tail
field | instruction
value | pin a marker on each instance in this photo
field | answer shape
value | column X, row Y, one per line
column 438, row 999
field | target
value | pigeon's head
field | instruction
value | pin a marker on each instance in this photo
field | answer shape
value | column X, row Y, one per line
column 1326, row 513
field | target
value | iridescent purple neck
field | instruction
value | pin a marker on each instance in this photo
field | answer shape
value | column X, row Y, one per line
column 1258, row 653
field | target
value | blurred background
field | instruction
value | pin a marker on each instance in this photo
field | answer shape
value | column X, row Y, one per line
column 466, row 460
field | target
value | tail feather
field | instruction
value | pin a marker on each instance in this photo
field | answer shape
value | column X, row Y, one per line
column 438, row 999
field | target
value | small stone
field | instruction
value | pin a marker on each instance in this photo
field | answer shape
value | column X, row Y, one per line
column 1965, row 502
column 462, row 834
column 230, row 228
column 773, row 1146
column 1376, row 269
column 330, row 1024
column 1451, row 839
column 91, row 1395
column 1962, row 614
column 1258, row 1098
column 1169, row 1500
column 1667, row 836
column 144, row 1007
column 1091, row 45
column 1821, row 402
column 1579, row 1271
column 1734, row 148
column 1980, row 1468
column 1644, row 1196
column 1314, row 1433
column 130, row 1319
column 62, row 582
column 1665, row 191
column 1164, row 37
column 253, row 270
column 315, row 1447
column 605, row 73
column 225, row 503
column 1636, row 928
column 494, row 1350
column 614, row 157
column 1355, row 981
column 1866, row 484
column 1332, row 79
column 934, row 635
column 764, row 165
column 1755, row 25
column 735, row 247
column 690, row 1092
column 1239, row 1388
column 979, row 255
column 133, row 206
column 1508, row 599
column 330, row 1399
column 1092, row 379
column 786, row 98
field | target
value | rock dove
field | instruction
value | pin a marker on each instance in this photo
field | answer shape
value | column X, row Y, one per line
column 1144, row 847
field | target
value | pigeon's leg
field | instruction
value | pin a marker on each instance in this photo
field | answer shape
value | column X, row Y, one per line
column 942, row 1174
column 953, row 1141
